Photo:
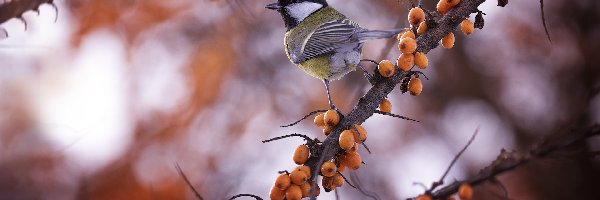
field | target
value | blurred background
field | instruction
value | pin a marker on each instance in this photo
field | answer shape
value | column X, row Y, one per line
column 102, row 103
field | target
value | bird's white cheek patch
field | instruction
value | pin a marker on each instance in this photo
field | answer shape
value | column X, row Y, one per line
column 300, row 11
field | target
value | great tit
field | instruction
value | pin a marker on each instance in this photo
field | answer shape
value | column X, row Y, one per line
column 322, row 41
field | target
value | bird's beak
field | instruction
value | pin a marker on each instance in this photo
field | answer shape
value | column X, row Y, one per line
column 274, row 6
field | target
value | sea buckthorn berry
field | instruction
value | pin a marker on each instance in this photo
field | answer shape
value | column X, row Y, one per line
column 416, row 15
column 421, row 60
column 422, row 28
column 451, row 198
column 283, row 181
column 328, row 169
column 402, row 35
column 338, row 180
column 424, row 196
column 352, row 160
column 448, row 41
column 362, row 133
column 467, row 27
column 319, row 120
column 406, row 61
column 301, row 154
column 294, row 192
column 386, row 68
column 408, row 45
column 327, row 183
column 465, row 191
column 305, row 189
column 298, row 177
column 331, row 117
column 453, row 3
column 415, row 87
column 346, row 140
column 327, row 130
column 304, row 169
column 341, row 167
column 407, row 34
column 276, row 193
column 443, row 7
column 354, row 148
column 385, row 106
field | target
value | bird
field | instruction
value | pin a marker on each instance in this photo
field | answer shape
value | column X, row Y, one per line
column 323, row 42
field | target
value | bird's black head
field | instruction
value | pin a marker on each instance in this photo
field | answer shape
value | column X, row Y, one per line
column 294, row 11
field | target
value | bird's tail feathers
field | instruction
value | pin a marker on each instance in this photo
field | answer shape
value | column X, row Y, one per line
column 378, row 34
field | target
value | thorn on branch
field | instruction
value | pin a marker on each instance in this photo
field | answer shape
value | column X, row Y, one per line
column 544, row 20
column 246, row 195
column 347, row 180
column 187, row 181
column 308, row 115
column 396, row 116
column 441, row 180
column 287, row 136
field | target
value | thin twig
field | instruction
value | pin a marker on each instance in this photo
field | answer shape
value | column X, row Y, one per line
column 394, row 115
column 507, row 161
column 308, row 115
column 287, row 136
column 504, row 190
column 544, row 20
column 246, row 195
column 188, row 181
column 360, row 188
column 441, row 181
column 350, row 184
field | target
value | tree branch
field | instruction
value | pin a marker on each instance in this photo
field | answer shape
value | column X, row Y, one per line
column 507, row 161
column 368, row 104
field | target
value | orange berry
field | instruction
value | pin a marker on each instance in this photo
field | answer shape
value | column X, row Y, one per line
column 406, row 61
column 406, row 34
column 305, row 189
column 328, row 169
column 331, row 117
column 294, row 192
column 465, row 191
column 353, row 148
column 385, row 106
column 304, row 169
column 319, row 120
column 352, row 160
column 338, row 180
column 276, row 193
column 327, row 183
column 467, row 27
column 416, row 15
column 283, row 181
column 422, row 28
column 386, row 68
column 415, row 87
column 298, row 177
column 421, row 60
column 424, row 196
column 408, row 45
column 443, row 7
column 451, row 198
column 327, row 130
column 452, row 3
column 448, row 41
column 341, row 167
column 301, row 154
column 362, row 133
column 346, row 140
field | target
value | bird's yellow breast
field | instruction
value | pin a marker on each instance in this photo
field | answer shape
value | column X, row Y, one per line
column 317, row 67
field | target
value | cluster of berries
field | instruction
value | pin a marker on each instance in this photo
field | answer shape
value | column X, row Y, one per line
column 298, row 183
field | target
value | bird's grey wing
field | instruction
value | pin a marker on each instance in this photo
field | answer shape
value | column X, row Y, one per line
column 330, row 37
